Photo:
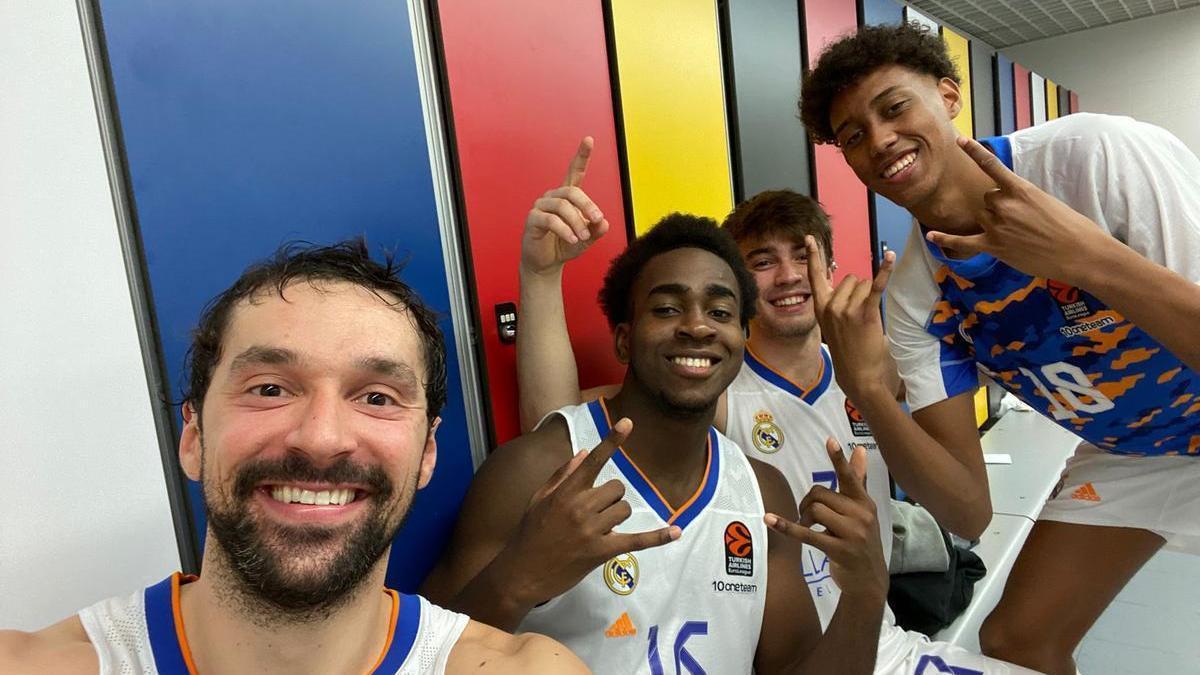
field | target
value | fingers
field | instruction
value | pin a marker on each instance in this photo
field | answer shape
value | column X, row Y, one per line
column 825, row 542
column 882, row 277
column 962, row 244
column 561, row 218
column 559, row 476
column 626, row 543
column 577, row 169
column 585, row 476
column 818, row 273
column 989, row 162
column 851, row 478
column 579, row 199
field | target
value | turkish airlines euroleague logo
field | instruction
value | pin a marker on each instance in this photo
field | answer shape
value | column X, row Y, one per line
column 1069, row 299
column 858, row 425
column 739, row 550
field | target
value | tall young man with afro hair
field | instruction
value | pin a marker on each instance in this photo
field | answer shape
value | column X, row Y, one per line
column 1062, row 261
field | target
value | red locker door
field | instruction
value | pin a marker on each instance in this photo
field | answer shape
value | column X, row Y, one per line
column 837, row 188
column 1023, row 96
column 524, row 86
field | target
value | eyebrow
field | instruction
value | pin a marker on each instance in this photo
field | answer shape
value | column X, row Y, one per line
column 712, row 290
column 389, row 368
column 878, row 96
column 260, row 355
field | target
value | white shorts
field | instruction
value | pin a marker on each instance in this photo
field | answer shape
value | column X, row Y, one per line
column 904, row 652
column 1160, row 494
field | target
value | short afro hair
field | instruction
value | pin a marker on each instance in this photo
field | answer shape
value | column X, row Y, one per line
column 780, row 213
column 675, row 231
column 847, row 61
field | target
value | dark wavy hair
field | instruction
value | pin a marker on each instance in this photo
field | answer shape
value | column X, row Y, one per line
column 783, row 213
column 677, row 230
column 852, row 58
column 348, row 261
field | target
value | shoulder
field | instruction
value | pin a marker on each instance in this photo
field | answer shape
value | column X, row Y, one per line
column 1055, row 149
column 536, row 454
column 776, row 493
column 483, row 649
column 61, row 648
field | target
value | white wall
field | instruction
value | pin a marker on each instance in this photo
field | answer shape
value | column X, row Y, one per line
column 85, row 511
column 1148, row 69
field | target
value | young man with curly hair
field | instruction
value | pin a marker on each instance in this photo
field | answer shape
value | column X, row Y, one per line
column 1062, row 261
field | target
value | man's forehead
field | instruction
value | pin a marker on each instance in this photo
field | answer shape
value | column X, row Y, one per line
column 774, row 243
column 684, row 266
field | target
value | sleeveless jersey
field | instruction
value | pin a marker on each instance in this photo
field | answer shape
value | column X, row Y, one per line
column 693, row 605
column 1059, row 348
column 785, row 425
column 142, row 634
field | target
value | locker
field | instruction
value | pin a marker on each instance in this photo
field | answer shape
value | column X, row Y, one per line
column 1074, row 102
column 1051, row 100
column 959, row 49
column 1037, row 97
column 837, row 188
column 876, row 12
column 672, row 101
column 1022, row 96
column 1006, row 101
column 763, row 70
column 244, row 127
column 523, row 89
column 983, row 89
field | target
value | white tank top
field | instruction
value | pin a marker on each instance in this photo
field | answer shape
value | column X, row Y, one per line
column 693, row 605
column 138, row 634
column 784, row 424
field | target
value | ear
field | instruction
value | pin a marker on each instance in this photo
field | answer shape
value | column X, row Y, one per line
column 189, row 442
column 951, row 96
column 429, row 454
column 621, row 343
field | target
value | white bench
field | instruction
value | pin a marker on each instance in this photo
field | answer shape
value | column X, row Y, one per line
column 1038, row 448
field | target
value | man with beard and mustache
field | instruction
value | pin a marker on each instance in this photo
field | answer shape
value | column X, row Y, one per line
column 316, row 382
column 786, row 407
column 656, row 546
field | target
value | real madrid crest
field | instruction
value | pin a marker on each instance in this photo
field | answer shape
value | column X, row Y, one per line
column 767, row 435
column 621, row 574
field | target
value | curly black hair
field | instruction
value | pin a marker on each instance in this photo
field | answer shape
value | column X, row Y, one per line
column 677, row 230
column 783, row 213
column 852, row 58
column 347, row 261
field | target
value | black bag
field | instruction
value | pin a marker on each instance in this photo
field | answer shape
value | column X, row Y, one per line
column 929, row 601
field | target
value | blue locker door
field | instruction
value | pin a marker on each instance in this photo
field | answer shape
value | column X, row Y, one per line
column 247, row 123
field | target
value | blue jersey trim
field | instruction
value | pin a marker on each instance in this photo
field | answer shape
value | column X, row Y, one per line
column 408, row 620
column 160, row 624
column 648, row 492
column 809, row 396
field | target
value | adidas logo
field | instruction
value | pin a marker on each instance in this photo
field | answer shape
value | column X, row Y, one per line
column 622, row 627
column 1085, row 493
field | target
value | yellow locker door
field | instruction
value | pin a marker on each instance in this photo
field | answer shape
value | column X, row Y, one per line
column 668, row 56
column 1052, row 111
column 959, row 48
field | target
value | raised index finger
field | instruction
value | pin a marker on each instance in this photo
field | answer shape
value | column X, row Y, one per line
column 579, row 163
column 851, row 482
column 585, row 476
column 989, row 162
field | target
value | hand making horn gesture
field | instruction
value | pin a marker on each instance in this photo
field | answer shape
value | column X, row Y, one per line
column 568, row 528
column 564, row 221
column 1025, row 227
column 850, row 321
column 851, row 527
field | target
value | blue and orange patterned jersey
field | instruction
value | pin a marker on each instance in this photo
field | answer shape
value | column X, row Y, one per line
column 1056, row 347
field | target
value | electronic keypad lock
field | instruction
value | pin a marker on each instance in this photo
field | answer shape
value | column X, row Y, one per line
column 506, row 322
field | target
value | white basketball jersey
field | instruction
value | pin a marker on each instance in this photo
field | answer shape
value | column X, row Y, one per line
column 784, row 424
column 693, row 605
column 138, row 634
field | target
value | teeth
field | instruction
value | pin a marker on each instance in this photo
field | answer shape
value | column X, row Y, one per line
column 790, row 300
column 900, row 165
column 294, row 495
column 692, row 362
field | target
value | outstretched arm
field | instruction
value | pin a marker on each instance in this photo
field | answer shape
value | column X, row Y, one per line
column 935, row 455
column 562, row 224
column 1040, row 235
